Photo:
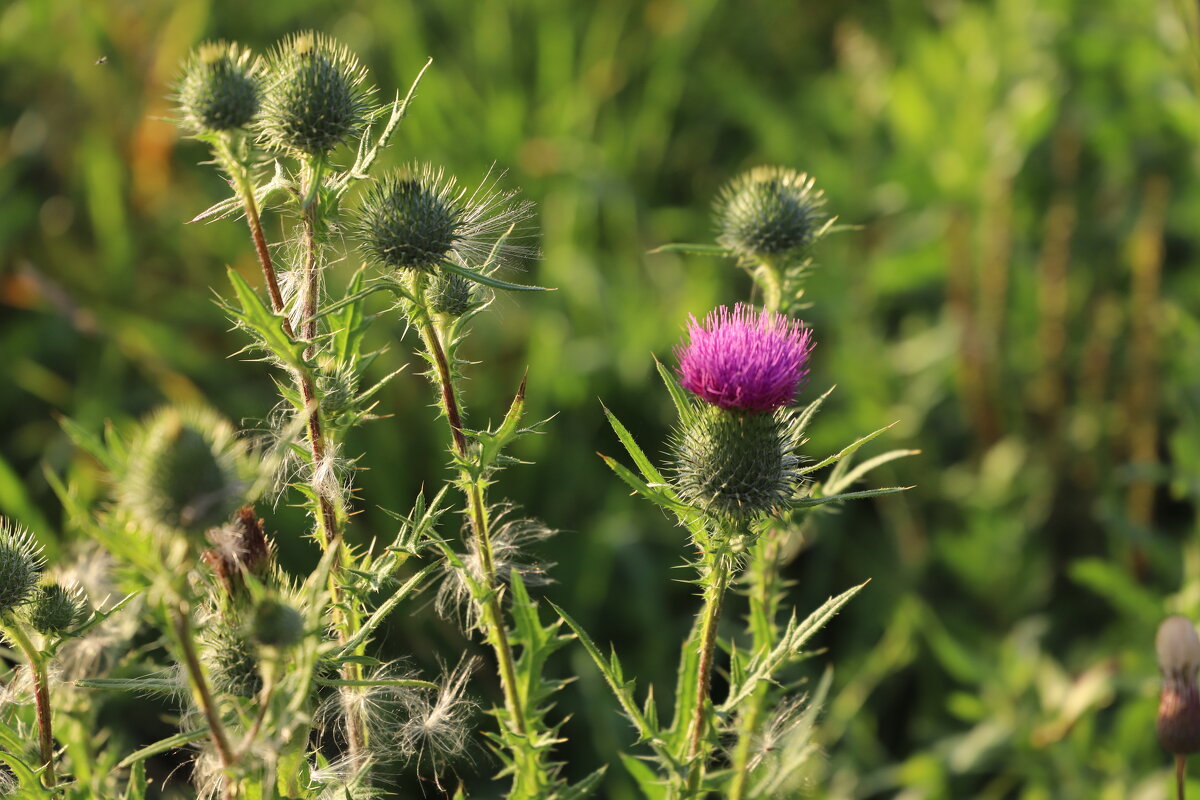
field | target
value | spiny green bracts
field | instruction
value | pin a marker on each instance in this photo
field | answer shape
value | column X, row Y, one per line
column 410, row 220
column 316, row 96
column 220, row 89
column 450, row 294
column 736, row 464
column 769, row 212
column 21, row 565
column 57, row 609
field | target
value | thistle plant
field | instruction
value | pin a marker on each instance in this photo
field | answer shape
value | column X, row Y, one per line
column 737, row 484
column 275, row 676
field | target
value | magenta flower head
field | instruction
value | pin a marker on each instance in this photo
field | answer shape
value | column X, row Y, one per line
column 745, row 359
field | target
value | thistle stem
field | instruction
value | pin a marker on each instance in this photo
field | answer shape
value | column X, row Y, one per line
column 1180, row 776
column 182, row 626
column 716, row 582
column 41, row 693
column 493, row 617
column 763, row 600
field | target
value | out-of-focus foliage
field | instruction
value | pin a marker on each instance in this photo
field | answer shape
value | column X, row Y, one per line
column 1022, row 296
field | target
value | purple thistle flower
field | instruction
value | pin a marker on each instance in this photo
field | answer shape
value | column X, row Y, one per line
column 745, row 359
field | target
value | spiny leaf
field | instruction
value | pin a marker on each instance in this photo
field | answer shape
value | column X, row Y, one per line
column 840, row 478
column 764, row 667
column 683, row 405
column 489, row 280
column 649, row 472
column 809, row 502
column 845, row 451
column 265, row 323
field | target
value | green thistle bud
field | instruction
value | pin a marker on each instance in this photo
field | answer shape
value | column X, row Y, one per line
column 338, row 390
column 316, row 97
column 735, row 463
column 769, row 211
column 276, row 624
column 187, row 471
column 450, row 294
column 410, row 220
column 21, row 565
column 220, row 88
column 230, row 660
column 57, row 609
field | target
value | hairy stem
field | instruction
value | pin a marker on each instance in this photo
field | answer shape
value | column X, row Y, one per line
column 182, row 625
column 764, row 594
column 493, row 616
column 715, row 583
column 41, row 693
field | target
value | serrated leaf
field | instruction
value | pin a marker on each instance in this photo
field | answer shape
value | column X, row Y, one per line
column 27, row 776
column 809, row 502
column 493, row 442
column 612, row 675
column 648, row 470
column 659, row 496
column 380, row 614
column 683, row 404
column 265, row 323
column 90, row 443
column 763, row 667
column 583, row 788
column 490, row 280
column 845, row 451
column 805, row 417
column 839, row 479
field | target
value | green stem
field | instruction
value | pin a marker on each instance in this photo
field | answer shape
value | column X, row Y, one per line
column 715, row 584
column 764, row 593
column 766, row 275
column 41, row 693
column 182, row 627
column 493, row 616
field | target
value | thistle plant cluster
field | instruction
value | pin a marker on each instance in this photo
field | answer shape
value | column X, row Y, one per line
column 275, row 675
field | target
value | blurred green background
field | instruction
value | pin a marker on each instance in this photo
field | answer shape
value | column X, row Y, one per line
column 1022, row 296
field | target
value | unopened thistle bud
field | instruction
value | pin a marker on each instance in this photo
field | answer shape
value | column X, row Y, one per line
column 21, row 565
column 1178, row 721
column 187, row 471
column 276, row 624
column 410, row 220
column 769, row 212
column 57, row 609
column 316, row 96
column 220, row 88
column 735, row 455
column 450, row 294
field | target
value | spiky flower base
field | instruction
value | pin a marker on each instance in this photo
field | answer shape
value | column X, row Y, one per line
column 734, row 463
column 230, row 660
